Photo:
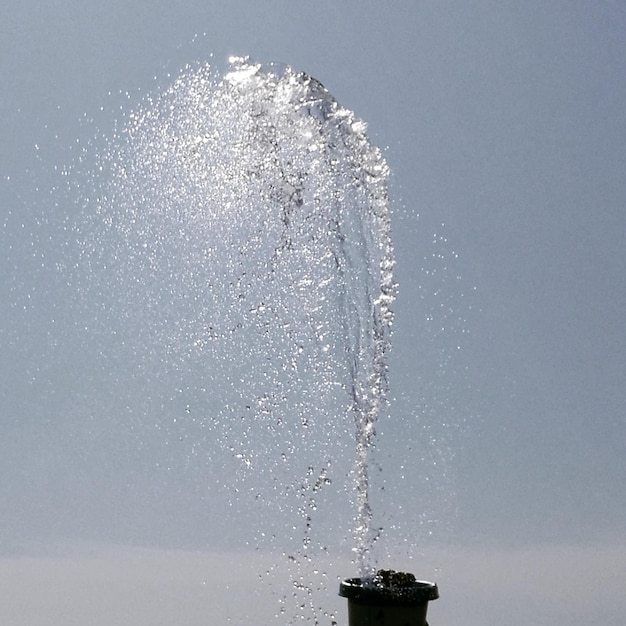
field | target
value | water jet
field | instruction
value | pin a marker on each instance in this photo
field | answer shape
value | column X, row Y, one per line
column 242, row 233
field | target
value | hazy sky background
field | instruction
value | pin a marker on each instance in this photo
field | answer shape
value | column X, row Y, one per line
column 504, row 126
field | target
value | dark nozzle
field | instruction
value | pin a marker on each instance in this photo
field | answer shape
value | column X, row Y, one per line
column 388, row 598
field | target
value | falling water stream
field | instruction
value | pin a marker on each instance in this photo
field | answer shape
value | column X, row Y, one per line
column 235, row 237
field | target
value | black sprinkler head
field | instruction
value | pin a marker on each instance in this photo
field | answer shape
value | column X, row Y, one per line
column 388, row 598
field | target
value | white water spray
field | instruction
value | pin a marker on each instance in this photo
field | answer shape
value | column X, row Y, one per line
column 242, row 225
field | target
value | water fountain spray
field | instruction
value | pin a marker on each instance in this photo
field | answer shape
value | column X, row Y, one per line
column 245, row 227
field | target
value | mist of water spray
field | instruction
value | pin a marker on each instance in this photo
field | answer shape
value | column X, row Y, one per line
column 238, row 228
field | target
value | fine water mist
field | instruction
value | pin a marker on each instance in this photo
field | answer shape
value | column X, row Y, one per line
column 229, row 284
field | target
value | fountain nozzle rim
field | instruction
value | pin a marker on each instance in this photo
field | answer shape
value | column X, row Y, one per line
column 364, row 590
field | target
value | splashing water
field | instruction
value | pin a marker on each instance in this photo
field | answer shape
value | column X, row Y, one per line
column 239, row 228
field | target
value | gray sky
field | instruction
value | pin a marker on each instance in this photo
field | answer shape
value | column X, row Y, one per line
column 504, row 127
